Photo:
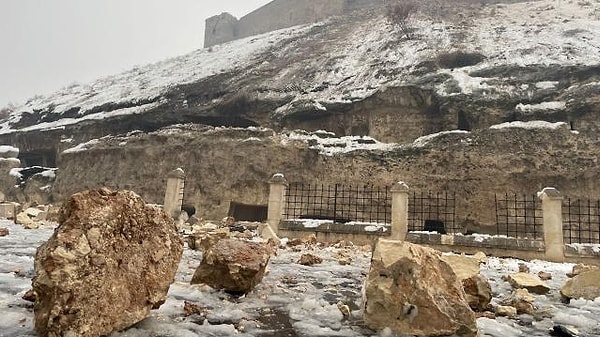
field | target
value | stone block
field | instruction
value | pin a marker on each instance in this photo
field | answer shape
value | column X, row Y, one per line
column 7, row 210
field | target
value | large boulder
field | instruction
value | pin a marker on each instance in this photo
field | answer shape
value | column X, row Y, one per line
column 233, row 265
column 584, row 285
column 109, row 262
column 412, row 291
column 477, row 287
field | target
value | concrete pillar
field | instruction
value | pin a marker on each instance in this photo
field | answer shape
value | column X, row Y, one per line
column 277, row 187
column 174, row 192
column 553, row 224
column 399, row 211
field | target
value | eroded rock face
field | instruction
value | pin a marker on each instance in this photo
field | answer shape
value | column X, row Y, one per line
column 233, row 265
column 411, row 290
column 109, row 262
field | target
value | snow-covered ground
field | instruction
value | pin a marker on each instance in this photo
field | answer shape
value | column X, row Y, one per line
column 292, row 300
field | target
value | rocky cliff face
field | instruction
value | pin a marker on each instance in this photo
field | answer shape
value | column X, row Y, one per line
column 468, row 69
column 225, row 164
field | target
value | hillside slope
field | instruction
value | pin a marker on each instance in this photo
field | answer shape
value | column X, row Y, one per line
column 351, row 75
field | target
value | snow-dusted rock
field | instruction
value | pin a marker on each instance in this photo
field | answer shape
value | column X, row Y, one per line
column 233, row 265
column 529, row 282
column 404, row 288
column 110, row 261
column 585, row 285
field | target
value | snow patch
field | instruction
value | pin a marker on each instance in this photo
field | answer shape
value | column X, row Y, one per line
column 327, row 144
column 544, row 106
column 529, row 125
column 424, row 140
column 83, row 146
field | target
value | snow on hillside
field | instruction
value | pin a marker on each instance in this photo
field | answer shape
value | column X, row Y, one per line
column 349, row 59
column 147, row 83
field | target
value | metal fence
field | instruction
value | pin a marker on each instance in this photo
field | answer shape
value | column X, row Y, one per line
column 339, row 203
column 519, row 215
column 432, row 211
column 581, row 221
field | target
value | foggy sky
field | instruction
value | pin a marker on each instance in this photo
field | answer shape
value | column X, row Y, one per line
column 48, row 44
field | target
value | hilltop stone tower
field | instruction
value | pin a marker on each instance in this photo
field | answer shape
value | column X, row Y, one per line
column 276, row 15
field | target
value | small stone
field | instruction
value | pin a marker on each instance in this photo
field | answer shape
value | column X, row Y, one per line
column 191, row 309
column 506, row 310
column 529, row 282
column 544, row 276
column 29, row 296
column 344, row 309
column 4, row 231
column 523, row 268
column 309, row 260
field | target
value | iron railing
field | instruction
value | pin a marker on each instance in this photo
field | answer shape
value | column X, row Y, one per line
column 432, row 211
column 581, row 221
column 338, row 203
column 519, row 215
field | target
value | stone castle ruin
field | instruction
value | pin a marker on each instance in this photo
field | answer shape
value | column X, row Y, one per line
column 276, row 15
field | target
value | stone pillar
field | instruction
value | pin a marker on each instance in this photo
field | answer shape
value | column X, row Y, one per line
column 277, row 187
column 399, row 211
column 553, row 225
column 174, row 192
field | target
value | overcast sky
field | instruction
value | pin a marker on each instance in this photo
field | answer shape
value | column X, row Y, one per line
column 48, row 44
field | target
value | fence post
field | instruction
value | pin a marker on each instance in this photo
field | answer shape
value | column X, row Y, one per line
column 553, row 224
column 399, row 211
column 174, row 192
column 277, row 188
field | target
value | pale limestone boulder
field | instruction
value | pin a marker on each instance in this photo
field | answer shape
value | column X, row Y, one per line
column 233, row 265
column 584, row 285
column 477, row 287
column 203, row 241
column 110, row 261
column 412, row 291
column 506, row 310
column 26, row 221
column 529, row 282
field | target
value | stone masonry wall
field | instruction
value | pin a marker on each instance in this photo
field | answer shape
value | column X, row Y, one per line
column 275, row 15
